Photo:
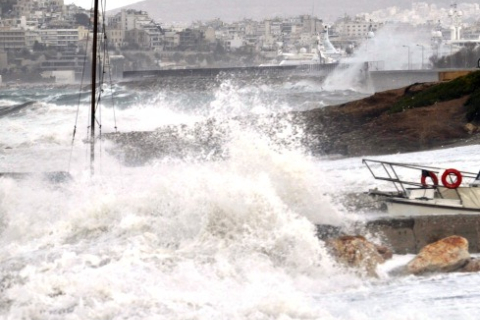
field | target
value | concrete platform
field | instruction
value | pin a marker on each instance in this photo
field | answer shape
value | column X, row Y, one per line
column 409, row 235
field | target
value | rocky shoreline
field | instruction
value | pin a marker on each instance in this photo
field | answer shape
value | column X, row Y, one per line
column 357, row 128
column 449, row 254
column 366, row 127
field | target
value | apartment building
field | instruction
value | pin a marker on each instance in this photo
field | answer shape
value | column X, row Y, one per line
column 23, row 7
column 357, row 28
column 128, row 20
column 12, row 38
column 116, row 37
column 59, row 38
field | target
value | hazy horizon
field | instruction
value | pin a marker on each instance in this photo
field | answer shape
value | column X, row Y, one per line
column 87, row 4
column 186, row 11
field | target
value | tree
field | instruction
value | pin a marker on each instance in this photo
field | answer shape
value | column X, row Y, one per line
column 191, row 59
column 82, row 19
column 37, row 46
column 219, row 49
column 25, row 53
column 467, row 57
column 177, row 57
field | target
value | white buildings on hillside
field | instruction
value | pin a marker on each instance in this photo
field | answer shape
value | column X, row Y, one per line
column 356, row 28
column 53, row 24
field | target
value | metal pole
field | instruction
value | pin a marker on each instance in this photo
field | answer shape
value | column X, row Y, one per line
column 423, row 47
column 409, row 59
column 94, row 78
column 408, row 47
column 422, row 57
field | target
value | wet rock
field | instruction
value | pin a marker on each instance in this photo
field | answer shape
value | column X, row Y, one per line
column 446, row 255
column 473, row 265
column 470, row 128
column 384, row 251
column 356, row 128
column 357, row 252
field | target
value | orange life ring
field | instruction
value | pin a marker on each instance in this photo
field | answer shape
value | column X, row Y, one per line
column 456, row 183
column 429, row 174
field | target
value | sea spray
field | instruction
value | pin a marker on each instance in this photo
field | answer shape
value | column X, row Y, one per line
column 391, row 48
column 170, row 240
column 197, row 238
column 351, row 74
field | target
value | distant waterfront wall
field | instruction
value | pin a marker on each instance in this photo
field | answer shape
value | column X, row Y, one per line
column 394, row 79
column 380, row 80
column 307, row 69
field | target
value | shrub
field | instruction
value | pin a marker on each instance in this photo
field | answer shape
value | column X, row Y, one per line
column 473, row 107
column 454, row 89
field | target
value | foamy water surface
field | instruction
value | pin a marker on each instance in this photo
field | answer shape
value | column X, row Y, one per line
column 189, row 238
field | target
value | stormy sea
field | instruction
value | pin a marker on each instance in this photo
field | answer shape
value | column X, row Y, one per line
column 191, row 237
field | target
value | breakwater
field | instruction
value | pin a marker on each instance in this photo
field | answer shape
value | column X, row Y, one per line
column 381, row 80
column 305, row 69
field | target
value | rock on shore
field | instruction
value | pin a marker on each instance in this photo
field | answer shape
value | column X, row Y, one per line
column 363, row 127
column 445, row 255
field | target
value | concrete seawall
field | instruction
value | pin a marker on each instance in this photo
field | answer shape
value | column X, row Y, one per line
column 306, row 69
column 394, row 79
column 380, row 80
column 409, row 235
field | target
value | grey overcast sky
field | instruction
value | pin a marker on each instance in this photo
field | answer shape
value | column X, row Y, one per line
column 168, row 11
column 113, row 4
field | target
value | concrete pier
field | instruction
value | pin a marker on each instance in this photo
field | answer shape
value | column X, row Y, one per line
column 409, row 235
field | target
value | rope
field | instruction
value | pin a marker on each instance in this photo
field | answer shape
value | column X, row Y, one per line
column 99, row 86
column 78, row 105
column 107, row 54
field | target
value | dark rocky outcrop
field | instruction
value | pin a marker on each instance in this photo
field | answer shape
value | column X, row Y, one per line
column 370, row 126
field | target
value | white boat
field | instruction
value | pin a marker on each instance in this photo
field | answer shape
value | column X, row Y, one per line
column 423, row 190
column 301, row 58
column 323, row 53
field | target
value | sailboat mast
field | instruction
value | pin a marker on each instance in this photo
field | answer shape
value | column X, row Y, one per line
column 94, row 86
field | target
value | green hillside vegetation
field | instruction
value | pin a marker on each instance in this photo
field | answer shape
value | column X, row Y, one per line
column 457, row 88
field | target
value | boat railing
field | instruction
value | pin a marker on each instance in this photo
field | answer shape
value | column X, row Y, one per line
column 401, row 179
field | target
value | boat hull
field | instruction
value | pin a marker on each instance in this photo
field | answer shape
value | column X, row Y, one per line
column 399, row 207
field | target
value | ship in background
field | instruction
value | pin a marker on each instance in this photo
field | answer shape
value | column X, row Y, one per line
column 323, row 52
column 319, row 62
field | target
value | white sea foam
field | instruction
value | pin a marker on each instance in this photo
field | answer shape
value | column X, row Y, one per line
column 188, row 239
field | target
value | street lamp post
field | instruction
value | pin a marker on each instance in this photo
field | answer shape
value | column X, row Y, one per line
column 423, row 48
column 408, row 48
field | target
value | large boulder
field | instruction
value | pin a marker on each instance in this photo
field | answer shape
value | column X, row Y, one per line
column 446, row 255
column 357, row 252
column 473, row 265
